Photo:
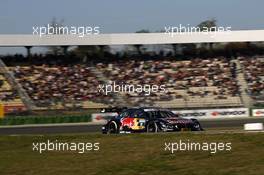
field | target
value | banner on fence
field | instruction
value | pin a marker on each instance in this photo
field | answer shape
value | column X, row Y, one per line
column 199, row 114
column 214, row 113
column 102, row 117
column 9, row 109
column 2, row 111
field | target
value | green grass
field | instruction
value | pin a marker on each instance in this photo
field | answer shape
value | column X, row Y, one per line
column 44, row 120
column 137, row 154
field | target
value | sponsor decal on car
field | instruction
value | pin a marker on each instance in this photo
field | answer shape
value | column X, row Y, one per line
column 178, row 121
column 133, row 123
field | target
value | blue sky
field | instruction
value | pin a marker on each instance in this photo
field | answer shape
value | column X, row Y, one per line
column 18, row 16
column 114, row 16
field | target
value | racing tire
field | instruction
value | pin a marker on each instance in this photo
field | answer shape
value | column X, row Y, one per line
column 152, row 127
column 197, row 126
column 113, row 128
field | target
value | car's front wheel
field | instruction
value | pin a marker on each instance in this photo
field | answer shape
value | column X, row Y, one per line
column 197, row 126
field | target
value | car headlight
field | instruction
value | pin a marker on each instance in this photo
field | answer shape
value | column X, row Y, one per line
column 164, row 125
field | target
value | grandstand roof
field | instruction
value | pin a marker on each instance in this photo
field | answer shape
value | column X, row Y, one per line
column 131, row 38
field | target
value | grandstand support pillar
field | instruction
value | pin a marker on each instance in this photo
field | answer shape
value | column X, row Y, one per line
column 245, row 98
column 28, row 51
column 65, row 50
column 17, row 86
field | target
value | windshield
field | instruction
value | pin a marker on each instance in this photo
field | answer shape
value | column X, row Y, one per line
column 167, row 114
column 161, row 114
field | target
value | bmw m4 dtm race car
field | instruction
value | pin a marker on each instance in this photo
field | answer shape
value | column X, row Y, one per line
column 149, row 120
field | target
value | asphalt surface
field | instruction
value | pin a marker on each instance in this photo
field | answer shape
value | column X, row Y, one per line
column 86, row 128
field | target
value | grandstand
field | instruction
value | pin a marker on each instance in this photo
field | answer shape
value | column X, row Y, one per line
column 8, row 94
column 253, row 69
column 68, row 82
column 192, row 83
column 60, row 86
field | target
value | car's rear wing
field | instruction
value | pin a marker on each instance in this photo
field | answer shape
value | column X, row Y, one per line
column 113, row 109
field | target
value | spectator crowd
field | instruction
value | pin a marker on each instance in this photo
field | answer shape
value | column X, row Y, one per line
column 254, row 75
column 191, row 81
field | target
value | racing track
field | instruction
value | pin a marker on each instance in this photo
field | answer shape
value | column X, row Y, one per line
column 91, row 127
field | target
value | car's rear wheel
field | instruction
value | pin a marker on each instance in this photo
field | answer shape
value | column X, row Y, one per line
column 112, row 129
column 152, row 127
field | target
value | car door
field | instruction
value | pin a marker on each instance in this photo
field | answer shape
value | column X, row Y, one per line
column 126, row 120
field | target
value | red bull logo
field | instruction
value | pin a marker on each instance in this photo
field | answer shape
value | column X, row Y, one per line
column 127, row 122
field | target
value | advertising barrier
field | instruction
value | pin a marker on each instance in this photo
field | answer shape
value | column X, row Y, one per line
column 214, row 113
column 199, row 114
column 1, row 111
column 258, row 112
column 102, row 117
column 9, row 109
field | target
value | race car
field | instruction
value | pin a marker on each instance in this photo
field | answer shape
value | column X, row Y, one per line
column 149, row 120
